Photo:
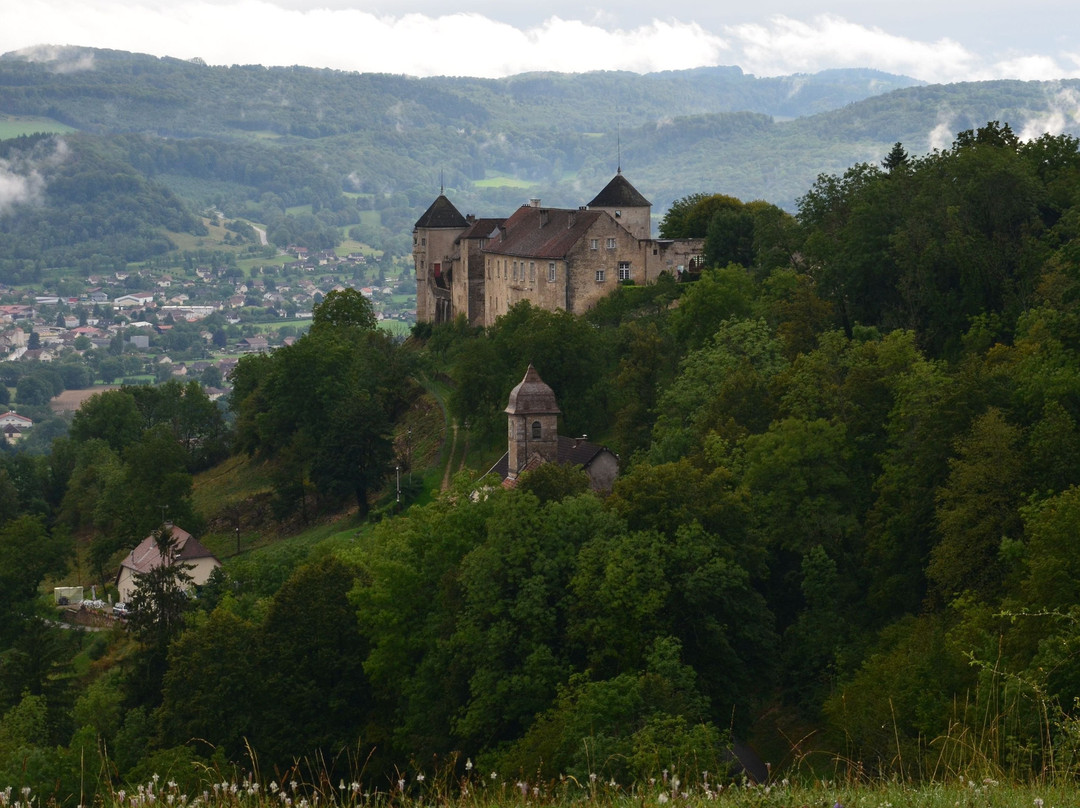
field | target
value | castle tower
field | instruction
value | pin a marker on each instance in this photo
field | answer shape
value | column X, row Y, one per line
column 532, row 416
column 626, row 205
column 433, row 247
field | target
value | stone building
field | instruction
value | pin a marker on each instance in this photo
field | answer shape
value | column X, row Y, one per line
column 533, row 438
column 556, row 258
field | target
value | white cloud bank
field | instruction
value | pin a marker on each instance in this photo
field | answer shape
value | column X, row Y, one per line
column 261, row 32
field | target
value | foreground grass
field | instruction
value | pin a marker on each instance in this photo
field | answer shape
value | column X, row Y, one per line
column 414, row 789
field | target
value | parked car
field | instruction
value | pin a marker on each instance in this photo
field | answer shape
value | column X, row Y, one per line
column 120, row 610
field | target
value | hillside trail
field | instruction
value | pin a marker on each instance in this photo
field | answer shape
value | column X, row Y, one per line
column 450, row 458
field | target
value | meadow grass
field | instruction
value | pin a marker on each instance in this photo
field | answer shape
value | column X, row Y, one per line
column 502, row 181
column 459, row 787
column 17, row 125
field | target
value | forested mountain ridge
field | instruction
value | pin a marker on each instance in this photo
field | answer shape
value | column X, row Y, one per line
column 551, row 135
column 106, row 91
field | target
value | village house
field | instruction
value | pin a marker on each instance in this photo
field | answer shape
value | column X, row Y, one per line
column 148, row 556
column 13, row 425
column 555, row 258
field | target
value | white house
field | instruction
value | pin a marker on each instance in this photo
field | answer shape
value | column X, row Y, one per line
column 186, row 550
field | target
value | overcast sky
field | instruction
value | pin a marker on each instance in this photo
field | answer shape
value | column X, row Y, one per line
column 932, row 40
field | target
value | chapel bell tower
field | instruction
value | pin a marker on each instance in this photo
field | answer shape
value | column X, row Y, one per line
column 532, row 428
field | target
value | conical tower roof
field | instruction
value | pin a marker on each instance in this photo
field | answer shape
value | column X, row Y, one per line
column 619, row 193
column 532, row 396
column 442, row 213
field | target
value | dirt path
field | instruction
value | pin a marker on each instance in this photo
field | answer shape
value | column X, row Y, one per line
column 450, row 458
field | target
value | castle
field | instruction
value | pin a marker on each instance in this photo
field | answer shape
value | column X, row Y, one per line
column 553, row 257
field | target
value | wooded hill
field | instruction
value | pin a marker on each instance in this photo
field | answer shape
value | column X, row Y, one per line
column 558, row 134
column 844, row 527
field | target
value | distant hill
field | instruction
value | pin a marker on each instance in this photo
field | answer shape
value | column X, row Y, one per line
column 291, row 136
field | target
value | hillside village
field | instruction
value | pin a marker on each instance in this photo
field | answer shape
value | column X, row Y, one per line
column 189, row 323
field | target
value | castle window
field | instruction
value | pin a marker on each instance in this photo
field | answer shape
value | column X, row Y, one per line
column 594, row 243
column 423, row 242
column 551, row 272
column 611, row 244
column 618, row 214
column 600, row 276
column 536, row 430
column 532, row 271
column 624, row 270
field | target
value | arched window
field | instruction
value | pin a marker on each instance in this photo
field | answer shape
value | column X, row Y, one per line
column 536, row 430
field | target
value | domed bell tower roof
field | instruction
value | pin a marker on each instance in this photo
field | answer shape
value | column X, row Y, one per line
column 532, row 396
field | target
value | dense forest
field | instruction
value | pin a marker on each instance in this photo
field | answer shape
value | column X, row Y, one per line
column 844, row 527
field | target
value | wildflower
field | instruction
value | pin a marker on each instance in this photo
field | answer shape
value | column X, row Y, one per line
column 592, row 777
column 662, row 797
column 522, row 788
column 341, row 785
column 401, row 784
column 420, row 778
column 494, row 776
column 354, row 787
column 1038, row 802
column 273, row 787
column 468, row 764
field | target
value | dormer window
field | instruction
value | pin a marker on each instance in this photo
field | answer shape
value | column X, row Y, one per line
column 618, row 214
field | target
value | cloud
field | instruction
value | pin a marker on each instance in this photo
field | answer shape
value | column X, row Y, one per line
column 1063, row 111
column 18, row 188
column 469, row 43
column 785, row 45
column 21, row 179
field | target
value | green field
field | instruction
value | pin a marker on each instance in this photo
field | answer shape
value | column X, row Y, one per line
column 16, row 125
column 502, row 181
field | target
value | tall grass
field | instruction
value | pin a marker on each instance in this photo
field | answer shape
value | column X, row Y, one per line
column 460, row 785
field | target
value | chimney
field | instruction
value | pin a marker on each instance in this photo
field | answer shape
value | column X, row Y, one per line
column 534, row 202
column 544, row 212
column 571, row 219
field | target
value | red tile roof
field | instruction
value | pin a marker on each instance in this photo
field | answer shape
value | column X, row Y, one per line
column 542, row 232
